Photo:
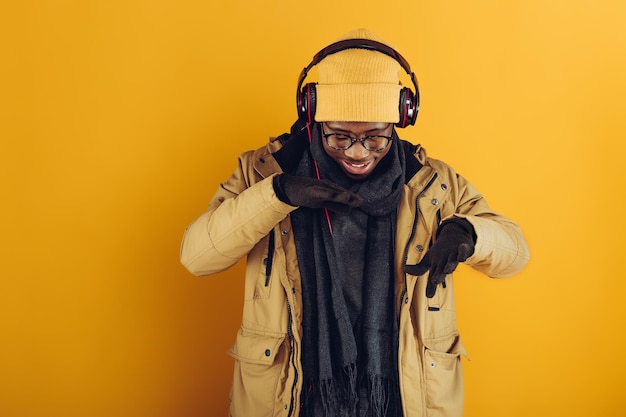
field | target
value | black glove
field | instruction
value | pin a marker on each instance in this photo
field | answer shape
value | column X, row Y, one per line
column 313, row 193
column 454, row 243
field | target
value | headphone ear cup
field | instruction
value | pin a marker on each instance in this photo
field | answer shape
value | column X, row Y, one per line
column 409, row 105
column 307, row 103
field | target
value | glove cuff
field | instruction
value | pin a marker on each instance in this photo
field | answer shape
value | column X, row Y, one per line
column 279, row 189
column 461, row 223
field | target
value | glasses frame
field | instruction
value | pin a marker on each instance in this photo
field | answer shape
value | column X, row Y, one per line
column 353, row 139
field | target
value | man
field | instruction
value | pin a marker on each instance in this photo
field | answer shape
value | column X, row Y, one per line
column 350, row 235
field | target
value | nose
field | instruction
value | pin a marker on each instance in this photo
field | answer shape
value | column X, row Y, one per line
column 356, row 152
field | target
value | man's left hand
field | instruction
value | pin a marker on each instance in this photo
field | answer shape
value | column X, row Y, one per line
column 454, row 244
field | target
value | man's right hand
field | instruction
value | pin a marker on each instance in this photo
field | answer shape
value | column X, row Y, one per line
column 315, row 193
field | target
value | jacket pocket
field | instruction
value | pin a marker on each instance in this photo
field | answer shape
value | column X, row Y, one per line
column 443, row 376
column 260, row 360
column 255, row 347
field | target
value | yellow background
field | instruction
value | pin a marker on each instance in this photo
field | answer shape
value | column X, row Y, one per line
column 118, row 119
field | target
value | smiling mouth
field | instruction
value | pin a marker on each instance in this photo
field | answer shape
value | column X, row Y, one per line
column 356, row 169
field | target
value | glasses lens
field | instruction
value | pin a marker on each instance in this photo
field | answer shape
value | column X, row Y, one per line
column 375, row 143
column 339, row 141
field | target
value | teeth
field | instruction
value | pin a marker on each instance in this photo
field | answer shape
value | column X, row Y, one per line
column 358, row 165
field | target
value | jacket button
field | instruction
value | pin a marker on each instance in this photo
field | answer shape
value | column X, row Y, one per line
column 444, row 187
column 268, row 352
column 433, row 364
column 434, row 201
column 283, row 232
column 419, row 248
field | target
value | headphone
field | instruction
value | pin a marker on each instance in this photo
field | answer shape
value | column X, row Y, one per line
column 306, row 95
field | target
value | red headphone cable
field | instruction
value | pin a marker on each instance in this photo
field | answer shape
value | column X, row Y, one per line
column 317, row 173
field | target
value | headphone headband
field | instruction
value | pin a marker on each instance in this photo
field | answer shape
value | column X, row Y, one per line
column 409, row 101
column 368, row 44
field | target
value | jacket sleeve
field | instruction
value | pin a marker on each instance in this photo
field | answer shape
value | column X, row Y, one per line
column 501, row 250
column 238, row 217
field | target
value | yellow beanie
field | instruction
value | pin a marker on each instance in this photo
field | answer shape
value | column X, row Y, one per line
column 358, row 85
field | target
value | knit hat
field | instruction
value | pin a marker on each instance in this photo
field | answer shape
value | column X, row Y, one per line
column 358, row 85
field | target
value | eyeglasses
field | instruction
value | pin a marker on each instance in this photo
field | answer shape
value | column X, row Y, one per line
column 341, row 142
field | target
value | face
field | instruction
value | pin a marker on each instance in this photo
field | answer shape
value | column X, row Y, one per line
column 356, row 161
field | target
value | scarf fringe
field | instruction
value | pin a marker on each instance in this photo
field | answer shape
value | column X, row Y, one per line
column 339, row 396
column 380, row 390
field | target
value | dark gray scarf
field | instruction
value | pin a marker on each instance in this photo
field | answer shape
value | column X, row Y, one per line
column 350, row 339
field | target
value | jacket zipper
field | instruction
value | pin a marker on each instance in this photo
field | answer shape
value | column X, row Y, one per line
column 293, row 359
column 413, row 230
column 270, row 258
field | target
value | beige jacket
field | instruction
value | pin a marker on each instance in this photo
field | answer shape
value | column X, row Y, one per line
column 268, row 373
